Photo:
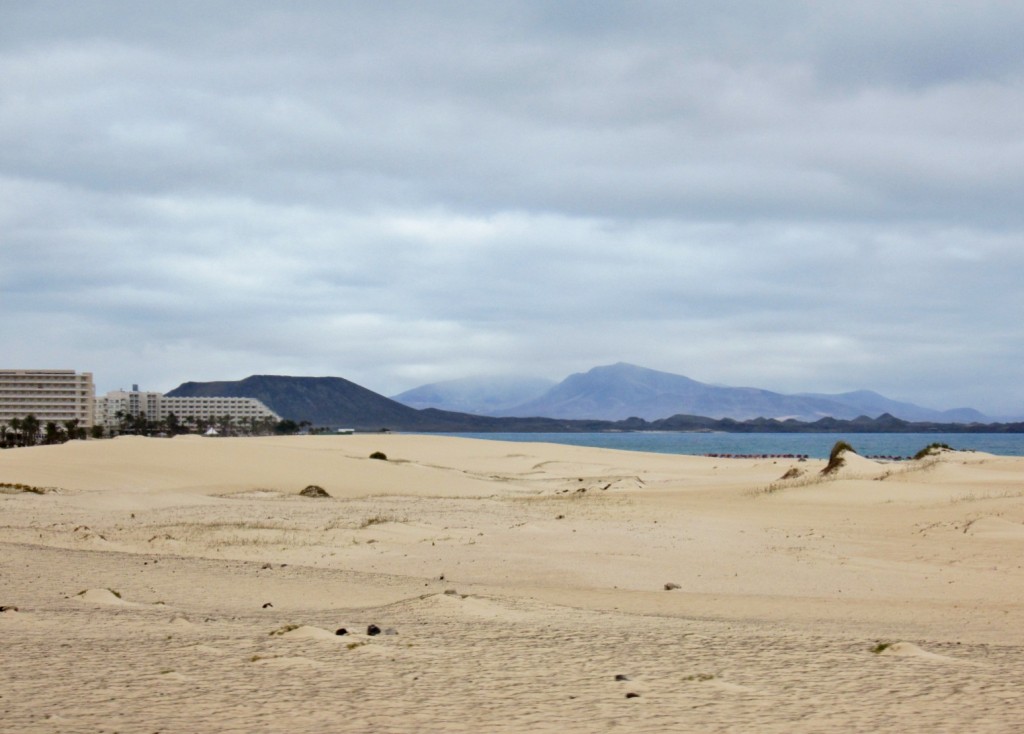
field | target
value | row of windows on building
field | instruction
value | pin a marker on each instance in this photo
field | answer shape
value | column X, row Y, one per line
column 60, row 395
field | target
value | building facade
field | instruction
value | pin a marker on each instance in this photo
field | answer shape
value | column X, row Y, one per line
column 49, row 395
column 111, row 408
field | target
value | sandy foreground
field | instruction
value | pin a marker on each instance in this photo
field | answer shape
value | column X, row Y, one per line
column 524, row 586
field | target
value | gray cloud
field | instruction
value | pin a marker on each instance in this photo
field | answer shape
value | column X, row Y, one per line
column 794, row 196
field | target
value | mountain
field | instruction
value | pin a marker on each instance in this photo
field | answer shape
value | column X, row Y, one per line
column 336, row 402
column 620, row 391
column 479, row 395
column 866, row 402
column 319, row 400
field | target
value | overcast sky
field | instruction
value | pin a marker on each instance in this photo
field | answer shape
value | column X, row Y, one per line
column 800, row 196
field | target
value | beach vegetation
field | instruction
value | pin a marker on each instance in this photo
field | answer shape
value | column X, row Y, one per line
column 931, row 449
column 835, row 457
column 881, row 647
column 379, row 519
column 283, row 630
column 9, row 487
column 314, row 490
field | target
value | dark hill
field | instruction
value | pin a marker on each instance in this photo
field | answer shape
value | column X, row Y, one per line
column 323, row 401
column 336, row 402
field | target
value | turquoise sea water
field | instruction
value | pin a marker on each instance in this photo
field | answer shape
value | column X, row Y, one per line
column 815, row 445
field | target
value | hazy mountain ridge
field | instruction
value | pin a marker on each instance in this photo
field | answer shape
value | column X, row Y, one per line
column 336, row 402
column 478, row 395
column 620, row 391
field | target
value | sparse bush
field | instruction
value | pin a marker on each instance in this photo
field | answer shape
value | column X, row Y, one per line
column 932, row 448
column 379, row 455
column 835, row 457
column 379, row 520
column 314, row 490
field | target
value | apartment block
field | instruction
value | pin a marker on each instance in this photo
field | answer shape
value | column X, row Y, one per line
column 49, row 395
column 156, row 406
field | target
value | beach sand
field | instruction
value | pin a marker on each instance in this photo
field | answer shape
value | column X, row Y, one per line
column 184, row 585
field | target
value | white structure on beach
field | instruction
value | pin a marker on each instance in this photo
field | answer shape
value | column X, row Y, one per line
column 156, row 406
column 49, row 395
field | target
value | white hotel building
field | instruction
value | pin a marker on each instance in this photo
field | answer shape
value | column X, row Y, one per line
column 49, row 395
column 157, row 407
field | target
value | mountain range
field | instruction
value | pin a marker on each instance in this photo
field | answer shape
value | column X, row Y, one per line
column 619, row 391
column 618, row 397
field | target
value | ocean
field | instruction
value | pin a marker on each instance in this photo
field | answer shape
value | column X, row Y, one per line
column 814, row 445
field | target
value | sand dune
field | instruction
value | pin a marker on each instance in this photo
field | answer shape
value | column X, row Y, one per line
column 524, row 586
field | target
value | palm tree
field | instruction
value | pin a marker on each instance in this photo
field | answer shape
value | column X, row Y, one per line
column 30, row 429
column 16, row 430
column 71, row 427
column 52, row 433
column 122, row 419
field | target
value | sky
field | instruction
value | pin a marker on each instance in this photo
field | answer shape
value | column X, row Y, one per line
column 797, row 196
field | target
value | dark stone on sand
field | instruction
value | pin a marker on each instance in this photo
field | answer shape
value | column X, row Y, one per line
column 451, row 592
column 621, row 677
column 632, row 695
column 268, row 605
column 8, row 609
column 670, row 586
column 379, row 455
column 373, row 630
column 341, row 632
column 314, row 491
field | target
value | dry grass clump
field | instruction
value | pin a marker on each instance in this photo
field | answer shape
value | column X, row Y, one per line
column 11, row 488
column 803, row 480
column 380, row 519
column 835, row 457
column 314, row 490
column 283, row 630
column 932, row 449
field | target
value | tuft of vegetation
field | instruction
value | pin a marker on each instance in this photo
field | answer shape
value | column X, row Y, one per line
column 379, row 519
column 314, row 490
column 881, row 647
column 379, row 455
column 8, row 486
column 931, row 449
column 283, row 630
column 835, row 457
column 793, row 473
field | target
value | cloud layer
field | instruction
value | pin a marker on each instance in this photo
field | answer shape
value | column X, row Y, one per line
column 795, row 196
